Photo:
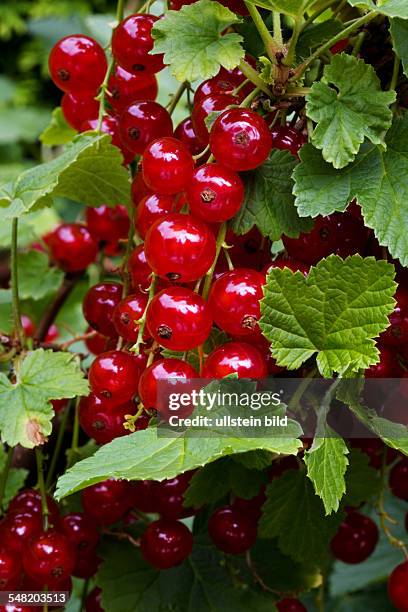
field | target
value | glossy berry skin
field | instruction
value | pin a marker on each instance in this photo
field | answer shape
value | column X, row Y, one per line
column 162, row 369
column 398, row 479
column 87, row 564
column 17, row 528
column 397, row 334
column 28, row 500
column 142, row 495
column 107, row 501
column 81, row 531
column 99, row 305
column 49, row 558
column 167, row 166
column 398, row 587
column 166, row 543
column 290, row 604
column 206, row 106
column 101, row 421
column 169, row 497
column 355, row 539
column 251, row 507
column 286, row 138
column 218, row 85
column 178, row 319
column 93, row 601
column 180, row 248
column 131, row 43
column 77, row 64
column 215, row 193
column 126, row 315
column 232, row 532
column 150, row 209
column 141, row 123
column 139, row 189
column 240, row 139
column 108, row 223
column 114, row 375
column 387, row 367
column 125, row 87
column 78, row 108
column 186, row 134
column 10, row 569
column 234, row 301
column 139, row 269
column 28, row 326
column 110, row 126
column 98, row 343
column 72, row 247
column 235, row 358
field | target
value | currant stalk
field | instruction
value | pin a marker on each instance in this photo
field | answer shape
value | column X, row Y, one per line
column 14, row 284
column 5, row 473
column 41, row 485
column 271, row 46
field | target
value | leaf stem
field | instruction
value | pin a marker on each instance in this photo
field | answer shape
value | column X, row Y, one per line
column 4, row 475
column 41, row 485
column 142, row 321
column 75, row 437
column 290, row 57
column 270, row 44
column 395, row 73
column 57, row 448
column 317, row 13
column 15, row 300
column 277, row 28
column 254, row 77
column 208, row 277
column 176, row 97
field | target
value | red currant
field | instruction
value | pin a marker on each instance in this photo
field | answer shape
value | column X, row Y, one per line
column 49, row 558
column 125, row 87
column 180, row 248
column 80, row 531
column 179, row 319
column 106, row 502
column 231, row 531
column 132, row 42
column 115, row 376
column 139, row 189
column 52, row 335
column 101, row 421
column 78, row 108
column 398, row 587
column 162, row 369
column 142, row 495
column 110, row 126
column 86, row 564
column 397, row 334
column 28, row 325
column 77, row 64
column 169, row 497
column 251, row 507
column 151, row 208
column 97, row 343
column 167, row 166
column 127, row 314
column 235, row 358
column 29, row 501
column 186, row 134
column 206, row 106
column 141, row 123
column 139, row 269
column 240, row 139
column 387, row 367
column 10, row 569
column 99, row 304
column 340, row 46
column 355, row 539
column 93, row 601
column 72, row 247
column 166, row 543
column 234, row 301
column 215, row 193
column 17, row 528
column 398, row 479
column 286, row 138
column 289, row 604
column 218, row 85
column 107, row 223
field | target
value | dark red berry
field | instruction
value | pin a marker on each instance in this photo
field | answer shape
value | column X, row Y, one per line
column 387, row 367
column 87, row 564
column 218, row 85
column 110, row 126
column 77, row 64
column 81, row 532
column 108, row 223
column 107, row 501
column 210, row 104
column 78, row 108
column 17, row 528
column 240, row 139
column 398, row 587
column 125, row 87
column 169, row 497
column 180, row 248
column 52, row 333
column 398, row 479
column 167, row 166
column 99, row 305
column 235, row 358
column 185, row 132
column 397, row 334
column 166, row 543
column 141, row 123
column 132, row 42
column 287, row 262
column 356, row 539
column 29, row 501
column 28, row 325
column 286, row 138
column 142, row 495
column 251, row 507
column 101, row 421
column 340, row 46
column 10, row 569
column 114, row 375
column 231, row 531
column 151, row 208
column 162, row 369
column 289, row 604
column 179, row 319
column 139, row 189
column 49, row 558
column 72, row 247
column 139, row 270
column 98, row 344
column 127, row 314
column 93, row 601
column 215, row 193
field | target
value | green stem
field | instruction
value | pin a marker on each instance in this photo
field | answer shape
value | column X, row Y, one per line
column 75, row 437
column 277, row 28
column 142, row 321
column 120, row 10
column 4, row 474
column 57, row 448
column 358, row 42
column 298, row 91
column 176, row 97
column 270, row 44
column 84, row 593
column 254, row 77
column 247, row 101
column 41, row 486
column 15, row 301
column 317, row 13
column 208, row 277
column 395, row 73
column 290, row 58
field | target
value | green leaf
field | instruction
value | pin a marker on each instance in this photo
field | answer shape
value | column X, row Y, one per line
column 254, row 460
column 144, row 455
column 58, row 132
column 269, row 203
column 326, row 464
column 193, row 43
column 291, row 7
column 89, row 171
column 348, row 106
column 392, row 8
column 315, row 35
column 216, row 338
column 15, row 479
column 25, row 409
column 333, row 313
column 362, row 481
column 33, row 267
column 399, row 34
column 295, row 516
column 31, row 227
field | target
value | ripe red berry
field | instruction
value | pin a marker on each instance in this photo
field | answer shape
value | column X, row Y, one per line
column 98, row 343
column 110, row 126
column 101, row 421
column 139, row 270
column 240, row 139
column 28, row 500
column 106, row 502
column 289, row 604
column 179, row 319
column 139, row 189
column 180, row 248
column 167, row 166
column 108, row 223
column 202, row 109
column 127, row 314
column 287, row 138
column 49, row 558
column 28, row 325
column 168, row 497
column 215, row 193
column 17, row 528
column 77, row 64
column 218, row 85
column 398, row 479
column 99, row 305
column 397, row 334
column 162, row 369
column 72, row 247
column 235, row 358
column 355, row 539
column 87, row 564
column 387, row 367
column 141, row 123
column 142, row 495
column 10, row 569
column 52, row 334
column 231, row 531
column 166, row 543
column 151, row 208
column 78, row 108
column 81, row 532
column 234, row 301
column 114, row 375
column 185, row 132
column 132, row 42
column 93, row 601
column 398, row 587
column 125, row 87
column 251, row 507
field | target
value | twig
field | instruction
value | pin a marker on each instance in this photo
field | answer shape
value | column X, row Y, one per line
column 15, row 301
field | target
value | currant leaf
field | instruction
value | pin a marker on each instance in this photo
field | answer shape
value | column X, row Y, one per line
column 192, row 41
column 315, row 35
column 33, row 265
column 15, row 479
column 399, row 34
column 58, row 132
column 25, row 409
column 362, row 481
column 326, row 464
column 291, row 7
column 269, row 203
column 391, row 8
column 348, row 106
column 333, row 313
